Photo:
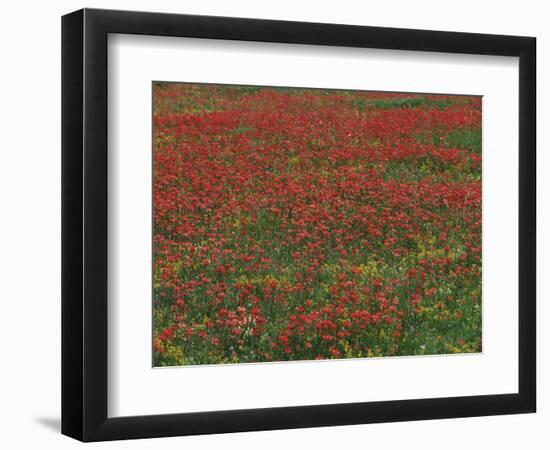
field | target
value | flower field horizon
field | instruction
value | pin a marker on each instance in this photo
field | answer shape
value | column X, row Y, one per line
column 303, row 224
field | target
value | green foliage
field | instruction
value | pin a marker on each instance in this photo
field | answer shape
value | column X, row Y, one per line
column 468, row 139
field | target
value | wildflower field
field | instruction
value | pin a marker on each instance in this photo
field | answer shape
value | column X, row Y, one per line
column 302, row 224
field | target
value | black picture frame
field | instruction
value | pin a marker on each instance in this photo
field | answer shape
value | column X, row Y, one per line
column 84, row 224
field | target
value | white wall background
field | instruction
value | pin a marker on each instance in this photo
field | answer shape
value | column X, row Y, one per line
column 30, row 224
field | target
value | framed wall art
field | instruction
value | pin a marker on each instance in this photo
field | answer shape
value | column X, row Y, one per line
column 273, row 224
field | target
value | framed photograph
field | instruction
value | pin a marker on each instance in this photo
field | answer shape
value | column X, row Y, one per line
column 272, row 224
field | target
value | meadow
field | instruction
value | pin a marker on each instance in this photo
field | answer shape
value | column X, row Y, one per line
column 303, row 224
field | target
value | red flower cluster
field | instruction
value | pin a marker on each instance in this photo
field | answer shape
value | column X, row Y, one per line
column 309, row 224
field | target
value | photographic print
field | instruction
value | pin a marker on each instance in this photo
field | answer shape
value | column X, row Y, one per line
column 299, row 224
column 329, row 230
